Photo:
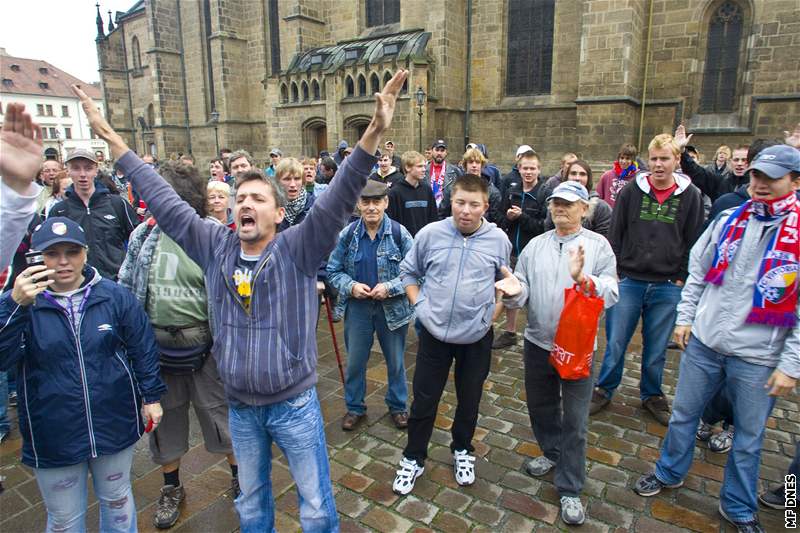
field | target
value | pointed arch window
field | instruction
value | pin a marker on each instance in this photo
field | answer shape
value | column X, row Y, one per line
column 284, row 93
column 362, row 85
column 304, row 91
column 374, row 83
column 295, row 96
column 315, row 90
column 725, row 30
column 136, row 53
column 530, row 46
column 349, row 87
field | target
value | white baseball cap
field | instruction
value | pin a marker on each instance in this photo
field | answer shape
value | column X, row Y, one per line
column 524, row 148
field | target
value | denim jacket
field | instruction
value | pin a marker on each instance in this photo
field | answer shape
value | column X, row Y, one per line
column 341, row 270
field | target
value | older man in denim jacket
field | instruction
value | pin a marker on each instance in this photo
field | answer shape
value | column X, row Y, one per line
column 365, row 270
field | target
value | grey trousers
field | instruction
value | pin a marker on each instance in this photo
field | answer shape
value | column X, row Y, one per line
column 559, row 413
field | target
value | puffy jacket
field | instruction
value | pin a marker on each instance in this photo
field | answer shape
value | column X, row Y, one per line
column 341, row 270
column 108, row 221
column 80, row 395
column 531, row 222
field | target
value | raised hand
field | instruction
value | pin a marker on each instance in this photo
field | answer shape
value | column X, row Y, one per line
column 576, row 261
column 20, row 148
column 680, row 137
column 99, row 124
column 384, row 112
column 793, row 138
column 509, row 285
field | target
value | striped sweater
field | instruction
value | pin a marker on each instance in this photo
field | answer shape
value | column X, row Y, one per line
column 268, row 354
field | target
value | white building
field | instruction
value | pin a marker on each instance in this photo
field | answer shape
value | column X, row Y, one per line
column 45, row 91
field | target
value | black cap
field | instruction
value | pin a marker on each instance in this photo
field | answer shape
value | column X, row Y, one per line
column 56, row 230
column 439, row 143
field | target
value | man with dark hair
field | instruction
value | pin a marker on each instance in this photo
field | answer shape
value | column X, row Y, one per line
column 170, row 287
column 624, row 170
column 328, row 168
column 240, row 162
column 460, row 258
column 439, row 174
column 256, row 277
column 106, row 218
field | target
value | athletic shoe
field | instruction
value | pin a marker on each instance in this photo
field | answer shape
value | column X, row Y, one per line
column 464, row 467
column 572, row 511
column 539, row 466
column 722, row 442
column 599, row 401
column 407, row 476
column 774, row 499
column 506, row 340
column 704, row 431
column 650, row 485
column 752, row 526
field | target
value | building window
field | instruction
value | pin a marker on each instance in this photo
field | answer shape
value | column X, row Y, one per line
column 722, row 59
column 8, row 82
column 380, row 12
column 68, row 133
column 15, row 67
column 374, row 83
column 44, row 85
column 136, row 54
column 40, row 109
column 53, row 133
column 304, row 91
column 362, row 85
column 43, row 71
column 44, row 133
column 349, row 87
column 64, row 111
column 274, row 38
column 49, row 109
column 351, row 54
column 315, row 90
column 391, row 49
column 530, row 46
column 295, row 96
column 284, row 93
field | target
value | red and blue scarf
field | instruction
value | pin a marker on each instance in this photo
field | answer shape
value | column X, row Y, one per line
column 776, row 291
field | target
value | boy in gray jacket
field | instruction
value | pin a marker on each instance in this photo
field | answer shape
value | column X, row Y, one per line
column 738, row 323
column 460, row 258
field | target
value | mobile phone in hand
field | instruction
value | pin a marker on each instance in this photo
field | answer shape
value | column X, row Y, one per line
column 34, row 258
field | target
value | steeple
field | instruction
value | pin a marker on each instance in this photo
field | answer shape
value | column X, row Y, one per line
column 99, row 22
column 110, row 22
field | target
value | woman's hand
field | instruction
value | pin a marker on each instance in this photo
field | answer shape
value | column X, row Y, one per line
column 30, row 283
column 152, row 411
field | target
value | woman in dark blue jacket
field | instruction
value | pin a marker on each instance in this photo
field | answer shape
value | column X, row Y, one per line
column 86, row 360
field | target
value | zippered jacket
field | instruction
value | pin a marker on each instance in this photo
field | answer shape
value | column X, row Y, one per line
column 456, row 301
column 342, row 269
column 543, row 272
column 107, row 221
column 718, row 313
column 80, row 389
column 267, row 353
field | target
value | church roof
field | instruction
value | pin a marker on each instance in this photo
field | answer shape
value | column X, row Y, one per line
column 403, row 46
column 34, row 76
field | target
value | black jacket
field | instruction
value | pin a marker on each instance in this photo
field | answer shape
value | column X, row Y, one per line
column 652, row 241
column 710, row 183
column 389, row 180
column 108, row 220
column 508, row 179
column 413, row 207
column 531, row 222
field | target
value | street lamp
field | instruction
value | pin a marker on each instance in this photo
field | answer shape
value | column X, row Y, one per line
column 215, row 120
column 420, row 97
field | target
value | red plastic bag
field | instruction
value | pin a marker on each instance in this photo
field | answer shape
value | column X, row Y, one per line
column 573, row 346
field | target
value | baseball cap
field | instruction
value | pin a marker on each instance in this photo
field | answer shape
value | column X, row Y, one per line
column 571, row 191
column 276, row 151
column 387, row 143
column 81, row 153
column 374, row 189
column 56, row 230
column 777, row 161
column 342, row 144
column 439, row 143
column 524, row 148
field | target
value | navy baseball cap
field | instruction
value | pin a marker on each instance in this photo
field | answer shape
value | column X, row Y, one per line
column 56, row 230
column 571, row 191
column 777, row 161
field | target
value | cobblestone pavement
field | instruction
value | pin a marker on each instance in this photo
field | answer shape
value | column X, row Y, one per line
column 623, row 443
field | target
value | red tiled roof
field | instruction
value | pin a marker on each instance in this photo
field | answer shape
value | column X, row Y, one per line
column 26, row 77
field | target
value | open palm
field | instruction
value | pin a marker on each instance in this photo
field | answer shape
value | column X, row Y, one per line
column 20, row 145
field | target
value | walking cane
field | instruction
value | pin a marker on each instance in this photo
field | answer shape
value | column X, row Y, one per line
column 333, row 336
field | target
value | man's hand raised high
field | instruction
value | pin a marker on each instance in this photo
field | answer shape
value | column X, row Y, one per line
column 681, row 138
column 384, row 112
column 99, row 124
column 20, row 148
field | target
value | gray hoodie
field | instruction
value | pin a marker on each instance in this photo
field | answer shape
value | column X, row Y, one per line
column 717, row 313
column 543, row 272
column 456, row 302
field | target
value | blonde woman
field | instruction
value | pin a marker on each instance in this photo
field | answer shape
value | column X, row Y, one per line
column 721, row 164
column 218, row 201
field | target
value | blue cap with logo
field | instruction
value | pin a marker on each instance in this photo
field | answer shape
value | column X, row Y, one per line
column 56, row 230
column 571, row 191
column 777, row 161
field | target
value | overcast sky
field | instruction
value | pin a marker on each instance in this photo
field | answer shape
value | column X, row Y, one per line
column 61, row 32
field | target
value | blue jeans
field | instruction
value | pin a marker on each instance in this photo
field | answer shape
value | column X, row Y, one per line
column 5, row 426
column 64, row 490
column 362, row 319
column 296, row 426
column 702, row 373
column 657, row 304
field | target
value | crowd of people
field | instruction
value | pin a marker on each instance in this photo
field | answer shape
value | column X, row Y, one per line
column 137, row 289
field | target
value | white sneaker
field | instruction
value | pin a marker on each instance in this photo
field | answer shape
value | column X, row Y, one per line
column 539, row 466
column 407, row 476
column 464, row 467
column 572, row 511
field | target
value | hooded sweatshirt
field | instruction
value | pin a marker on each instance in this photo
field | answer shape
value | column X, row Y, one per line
column 652, row 240
column 456, row 302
